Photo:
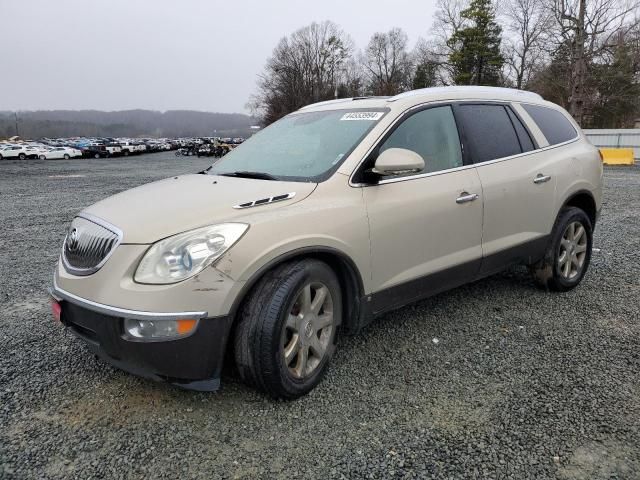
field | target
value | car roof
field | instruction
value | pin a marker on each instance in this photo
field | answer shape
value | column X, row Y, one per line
column 416, row 97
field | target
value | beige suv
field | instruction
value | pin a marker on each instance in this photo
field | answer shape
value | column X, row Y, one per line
column 328, row 218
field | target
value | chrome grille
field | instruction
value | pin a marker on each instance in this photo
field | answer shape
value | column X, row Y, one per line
column 88, row 245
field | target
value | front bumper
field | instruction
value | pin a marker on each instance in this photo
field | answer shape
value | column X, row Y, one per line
column 193, row 362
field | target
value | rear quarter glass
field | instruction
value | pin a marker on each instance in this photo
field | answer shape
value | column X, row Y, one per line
column 554, row 125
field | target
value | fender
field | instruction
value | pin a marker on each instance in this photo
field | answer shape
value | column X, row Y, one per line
column 354, row 287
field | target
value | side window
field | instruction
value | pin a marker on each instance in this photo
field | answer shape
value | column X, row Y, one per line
column 489, row 131
column 432, row 133
column 525, row 139
column 553, row 124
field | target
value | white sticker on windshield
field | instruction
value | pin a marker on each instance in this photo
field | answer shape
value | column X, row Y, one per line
column 362, row 116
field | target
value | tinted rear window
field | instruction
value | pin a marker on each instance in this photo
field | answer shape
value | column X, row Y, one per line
column 553, row 124
column 489, row 131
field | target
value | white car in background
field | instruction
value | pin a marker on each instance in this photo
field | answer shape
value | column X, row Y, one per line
column 19, row 151
column 60, row 152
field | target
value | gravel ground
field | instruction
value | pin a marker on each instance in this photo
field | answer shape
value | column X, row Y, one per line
column 519, row 383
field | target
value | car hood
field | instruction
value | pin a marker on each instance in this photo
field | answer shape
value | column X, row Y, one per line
column 160, row 209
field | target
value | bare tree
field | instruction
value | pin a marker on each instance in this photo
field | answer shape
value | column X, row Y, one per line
column 306, row 67
column 589, row 27
column 447, row 20
column 528, row 23
column 387, row 63
column 426, row 63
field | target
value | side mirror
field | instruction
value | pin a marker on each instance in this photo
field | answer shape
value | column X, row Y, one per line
column 396, row 161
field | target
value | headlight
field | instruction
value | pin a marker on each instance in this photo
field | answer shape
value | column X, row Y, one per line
column 179, row 257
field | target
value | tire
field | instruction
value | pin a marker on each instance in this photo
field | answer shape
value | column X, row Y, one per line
column 22, row 156
column 66, row 156
column 568, row 254
column 42, row 157
column 125, row 153
column 272, row 323
column 96, row 155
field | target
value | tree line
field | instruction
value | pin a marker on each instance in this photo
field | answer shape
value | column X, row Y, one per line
column 127, row 123
column 581, row 54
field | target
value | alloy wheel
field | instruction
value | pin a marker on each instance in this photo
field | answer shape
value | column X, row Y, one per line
column 573, row 251
column 309, row 330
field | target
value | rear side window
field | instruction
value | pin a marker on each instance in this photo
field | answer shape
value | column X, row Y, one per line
column 489, row 131
column 554, row 125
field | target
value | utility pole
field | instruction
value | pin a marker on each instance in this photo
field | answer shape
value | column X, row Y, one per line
column 15, row 114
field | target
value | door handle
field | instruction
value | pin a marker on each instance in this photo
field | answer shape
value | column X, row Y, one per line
column 467, row 197
column 540, row 178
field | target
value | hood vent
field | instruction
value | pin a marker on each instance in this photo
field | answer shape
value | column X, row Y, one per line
column 265, row 201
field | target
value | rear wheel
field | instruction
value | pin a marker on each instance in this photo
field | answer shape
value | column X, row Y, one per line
column 42, row 157
column 22, row 156
column 568, row 254
column 286, row 333
column 66, row 156
column 96, row 155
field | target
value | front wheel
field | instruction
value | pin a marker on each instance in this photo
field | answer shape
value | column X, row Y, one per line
column 42, row 157
column 569, row 252
column 66, row 156
column 286, row 333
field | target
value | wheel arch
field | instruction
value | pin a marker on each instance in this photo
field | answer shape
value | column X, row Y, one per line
column 344, row 267
column 584, row 200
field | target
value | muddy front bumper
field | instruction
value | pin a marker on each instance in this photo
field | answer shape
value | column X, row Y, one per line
column 193, row 362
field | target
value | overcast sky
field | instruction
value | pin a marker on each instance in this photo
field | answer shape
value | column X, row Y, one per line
column 165, row 54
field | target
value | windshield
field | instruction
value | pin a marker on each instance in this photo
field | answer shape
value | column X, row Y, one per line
column 300, row 147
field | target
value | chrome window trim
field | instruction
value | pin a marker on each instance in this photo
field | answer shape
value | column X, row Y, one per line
column 449, row 170
column 83, row 272
column 60, row 294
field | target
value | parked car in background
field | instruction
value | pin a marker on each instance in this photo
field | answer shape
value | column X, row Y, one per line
column 21, row 152
column 114, row 149
column 94, row 151
column 60, row 152
column 129, row 148
column 273, row 251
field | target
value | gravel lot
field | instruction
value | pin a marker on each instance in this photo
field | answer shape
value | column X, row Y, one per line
column 519, row 383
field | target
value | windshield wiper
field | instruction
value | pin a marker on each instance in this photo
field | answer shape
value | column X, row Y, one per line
column 247, row 174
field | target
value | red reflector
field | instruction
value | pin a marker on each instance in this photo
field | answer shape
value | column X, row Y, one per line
column 56, row 309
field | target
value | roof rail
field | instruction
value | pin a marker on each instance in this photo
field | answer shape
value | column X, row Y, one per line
column 466, row 88
column 327, row 102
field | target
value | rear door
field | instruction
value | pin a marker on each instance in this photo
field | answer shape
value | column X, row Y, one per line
column 425, row 228
column 518, row 184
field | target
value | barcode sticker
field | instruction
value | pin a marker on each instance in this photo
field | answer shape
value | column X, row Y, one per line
column 362, row 116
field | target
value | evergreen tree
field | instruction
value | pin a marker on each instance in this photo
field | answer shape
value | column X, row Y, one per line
column 475, row 57
column 425, row 75
column 617, row 97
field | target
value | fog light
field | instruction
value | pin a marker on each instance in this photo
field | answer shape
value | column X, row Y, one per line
column 158, row 329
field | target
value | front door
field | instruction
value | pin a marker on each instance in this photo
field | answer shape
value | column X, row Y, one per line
column 425, row 228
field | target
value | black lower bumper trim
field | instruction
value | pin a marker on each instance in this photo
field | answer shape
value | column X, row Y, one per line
column 194, row 362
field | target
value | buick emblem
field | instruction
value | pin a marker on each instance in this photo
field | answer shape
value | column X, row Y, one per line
column 72, row 240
